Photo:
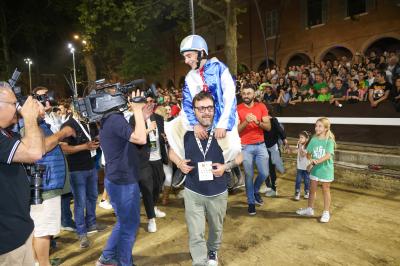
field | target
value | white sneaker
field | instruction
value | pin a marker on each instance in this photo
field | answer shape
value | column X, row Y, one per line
column 271, row 193
column 159, row 214
column 264, row 189
column 152, row 226
column 305, row 211
column 212, row 258
column 297, row 196
column 105, row 204
column 325, row 217
column 306, row 195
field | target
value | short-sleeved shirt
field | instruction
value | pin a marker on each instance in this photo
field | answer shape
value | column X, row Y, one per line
column 324, row 97
column 318, row 148
column 338, row 92
column 379, row 89
column 206, row 188
column 318, row 86
column 353, row 93
column 393, row 94
column 295, row 97
column 175, row 110
column 121, row 155
column 16, row 224
column 310, row 97
column 364, row 84
column 270, row 98
column 252, row 133
column 305, row 87
column 80, row 161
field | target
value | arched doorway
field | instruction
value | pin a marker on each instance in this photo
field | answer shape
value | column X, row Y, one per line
column 299, row 59
column 336, row 53
column 386, row 44
column 263, row 65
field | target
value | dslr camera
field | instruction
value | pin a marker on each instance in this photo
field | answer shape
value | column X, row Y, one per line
column 35, row 173
column 48, row 97
column 109, row 98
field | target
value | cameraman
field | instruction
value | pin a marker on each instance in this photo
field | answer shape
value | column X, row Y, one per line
column 16, row 225
column 118, row 141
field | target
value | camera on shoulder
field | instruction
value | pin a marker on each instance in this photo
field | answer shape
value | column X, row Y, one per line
column 109, row 98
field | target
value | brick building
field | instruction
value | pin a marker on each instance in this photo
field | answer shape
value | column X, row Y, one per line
column 303, row 31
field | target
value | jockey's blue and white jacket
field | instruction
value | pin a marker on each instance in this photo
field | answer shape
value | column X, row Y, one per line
column 215, row 78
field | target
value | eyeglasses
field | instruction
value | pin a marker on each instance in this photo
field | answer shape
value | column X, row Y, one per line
column 202, row 109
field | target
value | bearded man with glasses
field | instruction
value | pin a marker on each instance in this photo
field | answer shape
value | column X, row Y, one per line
column 206, row 183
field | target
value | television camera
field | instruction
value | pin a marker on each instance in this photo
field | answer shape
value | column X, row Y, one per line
column 108, row 98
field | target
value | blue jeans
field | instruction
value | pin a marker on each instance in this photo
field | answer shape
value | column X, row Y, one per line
column 302, row 175
column 84, row 189
column 66, row 214
column 258, row 154
column 125, row 200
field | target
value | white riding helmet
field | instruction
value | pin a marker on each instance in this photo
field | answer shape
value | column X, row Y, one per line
column 194, row 43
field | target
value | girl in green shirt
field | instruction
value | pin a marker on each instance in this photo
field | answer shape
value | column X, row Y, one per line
column 320, row 151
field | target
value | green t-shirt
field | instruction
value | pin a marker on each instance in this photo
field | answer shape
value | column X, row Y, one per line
column 318, row 148
column 324, row 97
column 318, row 86
column 305, row 87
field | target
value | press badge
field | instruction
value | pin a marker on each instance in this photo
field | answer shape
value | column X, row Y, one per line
column 205, row 171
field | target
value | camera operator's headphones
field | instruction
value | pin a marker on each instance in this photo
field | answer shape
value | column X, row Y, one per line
column 195, row 43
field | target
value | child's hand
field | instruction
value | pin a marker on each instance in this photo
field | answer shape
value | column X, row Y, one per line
column 184, row 166
column 200, row 132
column 220, row 133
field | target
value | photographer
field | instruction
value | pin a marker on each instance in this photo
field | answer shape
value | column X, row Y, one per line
column 16, row 225
column 118, row 140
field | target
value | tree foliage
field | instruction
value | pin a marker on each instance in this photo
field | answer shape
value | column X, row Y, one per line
column 226, row 11
column 125, row 34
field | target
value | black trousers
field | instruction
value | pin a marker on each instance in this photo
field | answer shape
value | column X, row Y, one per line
column 150, row 183
column 271, row 179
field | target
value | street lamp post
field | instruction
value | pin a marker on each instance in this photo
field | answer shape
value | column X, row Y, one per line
column 72, row 50
column 192, row 16
column 29, row 62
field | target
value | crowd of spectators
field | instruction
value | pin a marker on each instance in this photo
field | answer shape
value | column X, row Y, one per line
column 371, row 78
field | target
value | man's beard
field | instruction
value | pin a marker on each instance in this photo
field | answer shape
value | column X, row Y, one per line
column 248, row 100
column 206, row 122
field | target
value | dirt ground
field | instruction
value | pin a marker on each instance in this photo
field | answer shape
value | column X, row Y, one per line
column 364, row 230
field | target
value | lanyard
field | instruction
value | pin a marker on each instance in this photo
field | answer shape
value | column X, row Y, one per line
column 84, row 130
column 208, row 144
